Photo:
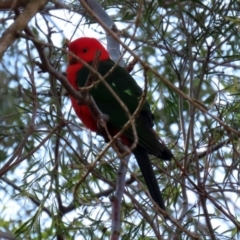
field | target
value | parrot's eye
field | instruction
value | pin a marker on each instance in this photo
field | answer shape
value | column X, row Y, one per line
column 85, row 50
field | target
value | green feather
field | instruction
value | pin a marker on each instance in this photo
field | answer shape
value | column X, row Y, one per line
column 130, row 93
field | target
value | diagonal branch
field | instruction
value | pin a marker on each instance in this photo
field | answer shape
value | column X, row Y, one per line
column 26, row 194
column 10, row 35
column 113, row 46
column 11, row 4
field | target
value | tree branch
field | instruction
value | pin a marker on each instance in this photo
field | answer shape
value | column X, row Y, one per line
column 12, row 4
column 120, row 185
column 10, row 35
column 113, row 46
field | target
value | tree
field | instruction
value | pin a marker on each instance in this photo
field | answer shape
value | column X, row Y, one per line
column 58, row 180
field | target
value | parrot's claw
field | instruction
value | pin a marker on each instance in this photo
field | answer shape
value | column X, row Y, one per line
column 102, row 126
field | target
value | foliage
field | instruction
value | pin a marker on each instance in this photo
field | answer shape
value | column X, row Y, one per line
column 48, row 191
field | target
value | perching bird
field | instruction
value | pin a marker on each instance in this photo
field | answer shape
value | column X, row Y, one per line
column 130, row 94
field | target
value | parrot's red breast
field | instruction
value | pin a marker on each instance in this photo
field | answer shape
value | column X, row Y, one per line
column 85, row 50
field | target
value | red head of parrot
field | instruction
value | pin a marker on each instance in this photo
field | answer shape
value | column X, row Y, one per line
column 85, row 48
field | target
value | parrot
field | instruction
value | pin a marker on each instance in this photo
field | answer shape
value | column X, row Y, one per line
column 127, row 89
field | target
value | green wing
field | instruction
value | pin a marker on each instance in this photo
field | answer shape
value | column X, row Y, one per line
column 129, row 92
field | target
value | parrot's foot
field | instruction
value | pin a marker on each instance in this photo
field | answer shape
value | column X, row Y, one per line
column 102, row 127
